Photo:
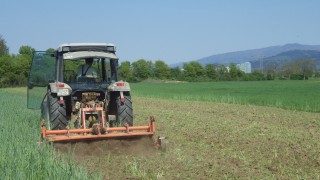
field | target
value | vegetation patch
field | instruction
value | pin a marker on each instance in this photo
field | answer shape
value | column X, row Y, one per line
column 21, row 154
column 294, row 95
column 206, row 140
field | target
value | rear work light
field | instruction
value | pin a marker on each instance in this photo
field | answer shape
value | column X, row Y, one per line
column 120, row 84
column 59, row 85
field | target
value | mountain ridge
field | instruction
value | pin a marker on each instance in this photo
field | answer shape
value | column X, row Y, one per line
column 251, row 55
column 280, row 59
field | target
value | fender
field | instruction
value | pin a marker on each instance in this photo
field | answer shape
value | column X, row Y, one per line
column 62, row 89
column 119, row 86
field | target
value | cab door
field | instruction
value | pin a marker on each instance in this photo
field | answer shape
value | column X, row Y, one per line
column 42, row 71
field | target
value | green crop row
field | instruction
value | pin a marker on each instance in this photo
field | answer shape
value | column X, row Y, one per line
column 293, row 95
column 21, row 155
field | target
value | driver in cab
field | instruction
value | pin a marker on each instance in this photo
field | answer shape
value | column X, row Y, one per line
column 86, row 70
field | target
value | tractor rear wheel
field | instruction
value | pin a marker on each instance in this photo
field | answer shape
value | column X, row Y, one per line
column 57, row 112
column 124, row 110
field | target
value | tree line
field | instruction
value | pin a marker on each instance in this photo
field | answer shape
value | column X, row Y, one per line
column 193, row 71
column 14, row 70
column 300, row 69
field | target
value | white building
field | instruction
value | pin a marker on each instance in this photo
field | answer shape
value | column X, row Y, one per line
column 245, row 67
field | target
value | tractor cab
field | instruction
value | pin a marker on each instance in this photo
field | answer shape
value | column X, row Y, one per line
column 71, row 69
column 87, row 66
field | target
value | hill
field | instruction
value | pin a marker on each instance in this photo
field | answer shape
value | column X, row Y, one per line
column 278, row 60
column 252, row 55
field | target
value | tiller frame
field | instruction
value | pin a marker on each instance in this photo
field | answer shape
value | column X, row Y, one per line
column 98, row 132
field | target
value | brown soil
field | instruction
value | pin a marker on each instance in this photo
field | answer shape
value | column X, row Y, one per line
column 209, row 141
column 136, row 146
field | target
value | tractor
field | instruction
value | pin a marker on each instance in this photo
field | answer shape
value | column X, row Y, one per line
column 80, row 96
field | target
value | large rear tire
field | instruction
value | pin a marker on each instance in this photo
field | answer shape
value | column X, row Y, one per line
column 124, row 110
column 57, row 113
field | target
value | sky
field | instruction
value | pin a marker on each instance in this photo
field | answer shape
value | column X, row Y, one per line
column 169, row 30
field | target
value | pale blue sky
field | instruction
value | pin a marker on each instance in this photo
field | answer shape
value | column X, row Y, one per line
column 171, row 30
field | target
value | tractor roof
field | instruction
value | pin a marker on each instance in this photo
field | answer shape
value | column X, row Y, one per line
column 84, row 50
column 87, row 46
column 88, row 54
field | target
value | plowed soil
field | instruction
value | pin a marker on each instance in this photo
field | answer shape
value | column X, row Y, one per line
column 134, row 147
column 209, row 141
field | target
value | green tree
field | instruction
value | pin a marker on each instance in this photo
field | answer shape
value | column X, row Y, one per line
column 300, row 68
column 125, row 71
column 223, row 73
column 211, row 71
column 188, row 72
column 291, row 68
column 272, row 70
column 257, row 75
column 193, row 71
column 307, row 67
column 234, row 72
column 198, row 68
column 12, row 71
column 4, row 50
column 141, row 70
column 151, row 67
column 317, row 74
column 176, row 73
column 6, row 70
column 50, row 50
column 23, row 60
column 26, row 51
column 162, row 70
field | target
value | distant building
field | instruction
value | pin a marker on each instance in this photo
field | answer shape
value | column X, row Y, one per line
column 245, row 67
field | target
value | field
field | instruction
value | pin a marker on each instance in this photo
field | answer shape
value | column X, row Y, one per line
column 294, row 95
column 208, row 139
